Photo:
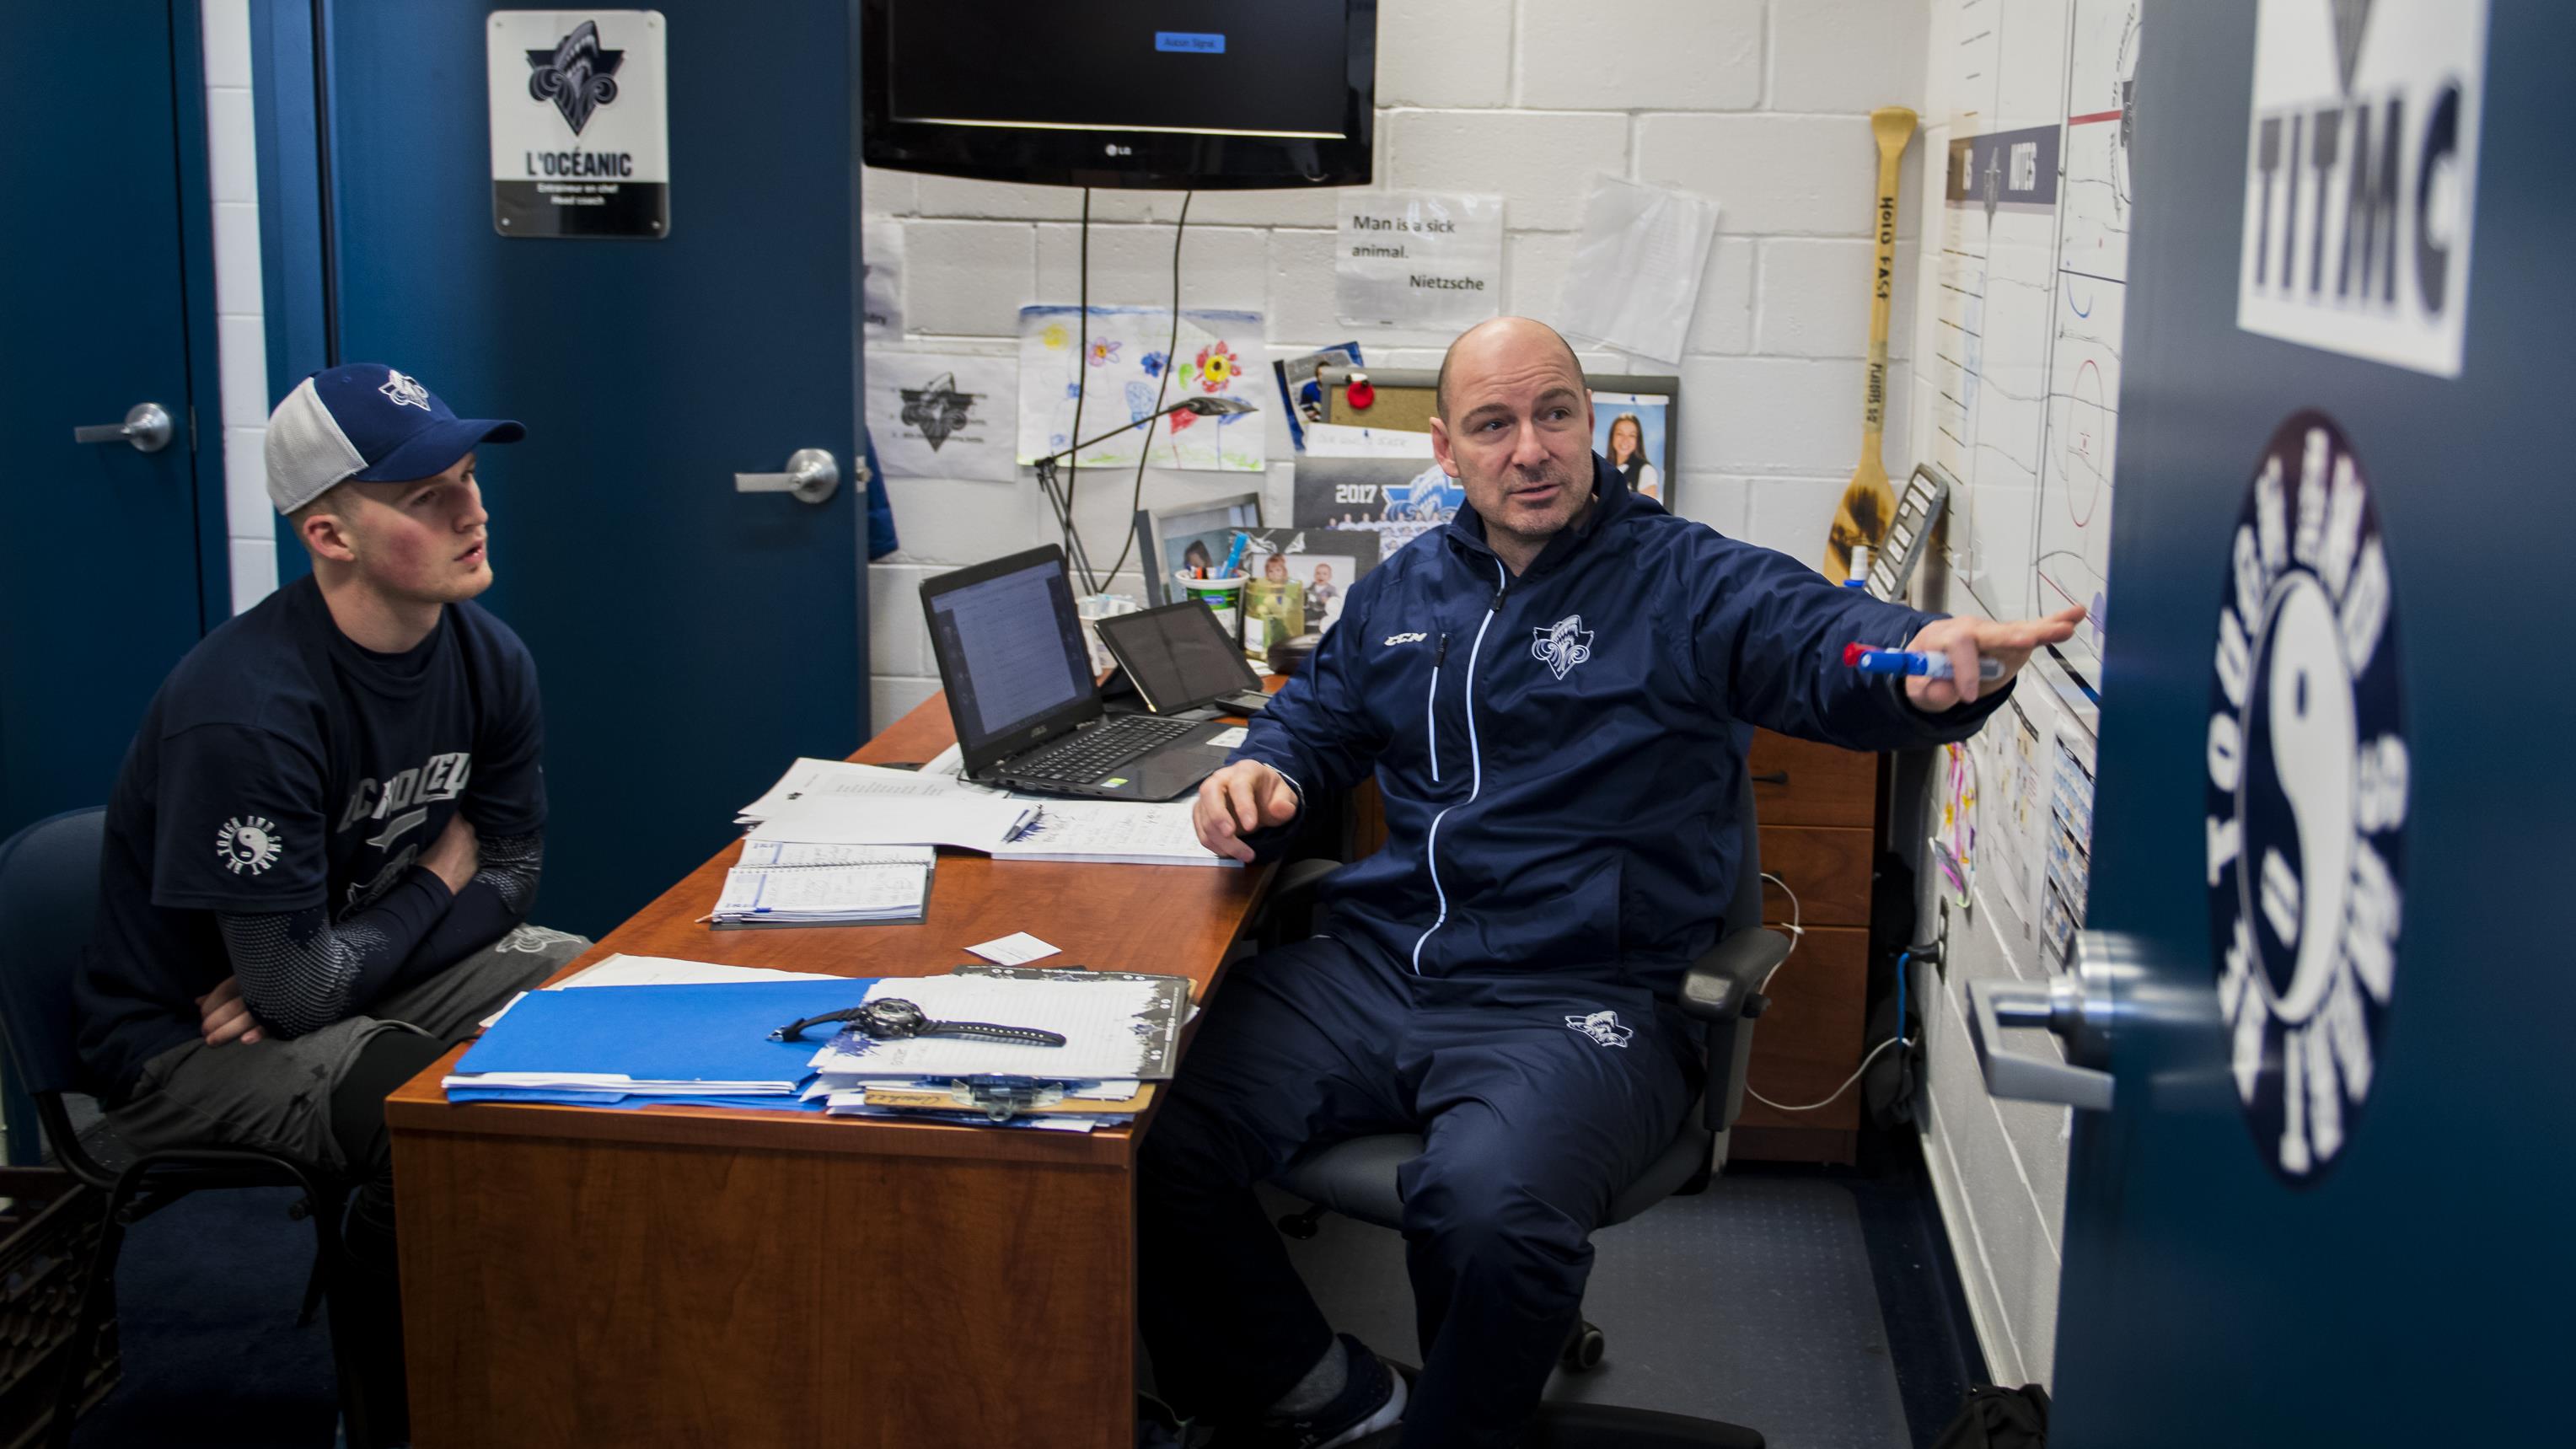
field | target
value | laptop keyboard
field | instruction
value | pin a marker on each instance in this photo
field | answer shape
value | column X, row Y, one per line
column 1090, row 754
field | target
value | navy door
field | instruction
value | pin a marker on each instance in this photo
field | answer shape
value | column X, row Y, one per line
column 102, row 587
column 690, row 639
column 2327, row 1205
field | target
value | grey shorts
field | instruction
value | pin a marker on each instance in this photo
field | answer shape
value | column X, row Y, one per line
column 274, row 1094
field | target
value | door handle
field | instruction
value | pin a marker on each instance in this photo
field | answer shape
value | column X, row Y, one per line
column 812, row 475
column 2076, row 1006
column 147, row 426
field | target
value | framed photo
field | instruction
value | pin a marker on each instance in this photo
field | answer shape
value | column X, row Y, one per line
column 1301, row 386
column 1188, row 535
column 1299, row 579
column 1634, row 431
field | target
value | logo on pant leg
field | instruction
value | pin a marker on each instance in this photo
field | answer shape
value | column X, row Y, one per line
column 1603, row 1027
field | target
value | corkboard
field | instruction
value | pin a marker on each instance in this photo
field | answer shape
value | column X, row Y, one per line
column 1402, row 404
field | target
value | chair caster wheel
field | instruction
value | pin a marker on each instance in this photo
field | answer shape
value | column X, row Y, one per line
column 1583, row 1349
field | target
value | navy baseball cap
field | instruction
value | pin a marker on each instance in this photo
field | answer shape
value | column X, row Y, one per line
column 363, row 420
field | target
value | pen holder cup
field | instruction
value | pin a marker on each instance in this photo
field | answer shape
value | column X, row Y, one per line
column 1224, row 596
column 1093, row 609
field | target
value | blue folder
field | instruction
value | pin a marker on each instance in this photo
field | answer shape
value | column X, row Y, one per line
column 630, row 1101
column 666, row 1033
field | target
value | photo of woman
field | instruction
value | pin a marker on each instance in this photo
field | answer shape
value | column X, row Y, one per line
column 1629, row 430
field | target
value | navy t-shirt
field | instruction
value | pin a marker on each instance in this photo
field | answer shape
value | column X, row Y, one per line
column 283, row 767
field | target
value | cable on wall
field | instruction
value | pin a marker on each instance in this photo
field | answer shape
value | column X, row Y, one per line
column 1081, row 381
column 1171, row 365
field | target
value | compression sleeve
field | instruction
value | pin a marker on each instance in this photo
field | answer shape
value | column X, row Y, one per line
column 492, row 904
column 300, row 971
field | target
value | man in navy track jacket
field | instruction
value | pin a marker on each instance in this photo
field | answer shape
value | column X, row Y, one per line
column 1555, row 694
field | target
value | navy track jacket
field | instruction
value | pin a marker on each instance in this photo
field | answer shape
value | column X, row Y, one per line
column 1559, row 753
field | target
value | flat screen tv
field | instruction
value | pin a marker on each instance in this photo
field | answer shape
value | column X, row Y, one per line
column 1137, row 93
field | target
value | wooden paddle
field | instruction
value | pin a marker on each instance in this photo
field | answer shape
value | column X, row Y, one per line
column 1869, row 503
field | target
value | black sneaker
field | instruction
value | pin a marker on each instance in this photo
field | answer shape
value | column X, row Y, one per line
column 1370, row 1404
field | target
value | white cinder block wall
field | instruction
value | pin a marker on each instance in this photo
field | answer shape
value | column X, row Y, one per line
column 1760, row 105
column 241, row 337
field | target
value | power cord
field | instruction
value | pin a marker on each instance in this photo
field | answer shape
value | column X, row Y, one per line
column 1171, row 365
column 1797, row 933
column 1081, row 377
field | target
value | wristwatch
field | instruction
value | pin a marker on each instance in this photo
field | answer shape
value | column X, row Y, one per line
column 891, row 1018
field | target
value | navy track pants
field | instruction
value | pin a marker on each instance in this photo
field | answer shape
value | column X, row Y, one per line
column 1531, row 1124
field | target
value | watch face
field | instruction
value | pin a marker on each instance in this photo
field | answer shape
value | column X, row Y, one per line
column 894, row 1016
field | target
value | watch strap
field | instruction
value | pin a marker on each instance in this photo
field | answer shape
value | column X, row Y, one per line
column 1024, row 1035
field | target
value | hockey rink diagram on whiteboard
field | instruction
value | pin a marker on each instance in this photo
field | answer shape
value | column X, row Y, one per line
column 2032, row 285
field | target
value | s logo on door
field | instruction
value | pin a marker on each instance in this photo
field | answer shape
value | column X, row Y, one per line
column 2307, row 798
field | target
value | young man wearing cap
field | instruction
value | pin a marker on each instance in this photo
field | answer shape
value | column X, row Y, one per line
column 328, row 831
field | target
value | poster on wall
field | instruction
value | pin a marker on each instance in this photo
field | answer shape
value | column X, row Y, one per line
column 1111, row 368
column 942, row 415
column 581, row 139
column 1398, row 499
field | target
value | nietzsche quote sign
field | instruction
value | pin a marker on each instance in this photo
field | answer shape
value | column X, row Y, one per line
column 1419, row 259
column 581, row 140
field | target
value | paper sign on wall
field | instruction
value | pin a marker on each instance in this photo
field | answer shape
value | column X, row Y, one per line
column 2361, row 174
column 581, row 140
column 943, row 415
column 1419, row 259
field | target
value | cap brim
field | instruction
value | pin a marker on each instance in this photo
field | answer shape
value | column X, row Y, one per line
column 434, row 449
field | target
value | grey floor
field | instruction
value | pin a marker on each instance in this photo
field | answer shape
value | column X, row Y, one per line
column 1750, row 1303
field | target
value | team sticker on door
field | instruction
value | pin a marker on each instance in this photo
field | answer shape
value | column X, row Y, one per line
column 2361, row 171
column 581, row 142
column 2307, row 798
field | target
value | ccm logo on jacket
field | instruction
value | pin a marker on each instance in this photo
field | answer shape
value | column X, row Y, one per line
column 1559, row 752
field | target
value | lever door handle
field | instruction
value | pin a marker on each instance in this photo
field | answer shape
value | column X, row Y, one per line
column 812, row 475
column 147, row 426
column 2058, row 1006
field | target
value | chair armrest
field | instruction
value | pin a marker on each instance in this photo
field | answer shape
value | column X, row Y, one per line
column 1288, row 911
column 1727, row 982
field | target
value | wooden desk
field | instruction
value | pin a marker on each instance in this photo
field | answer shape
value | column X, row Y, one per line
column 686, row 1276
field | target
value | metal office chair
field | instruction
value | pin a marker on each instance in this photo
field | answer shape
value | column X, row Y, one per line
column 48, row 895
column 1357, row 1177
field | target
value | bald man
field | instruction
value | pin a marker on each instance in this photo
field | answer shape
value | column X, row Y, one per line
column 1555, row 693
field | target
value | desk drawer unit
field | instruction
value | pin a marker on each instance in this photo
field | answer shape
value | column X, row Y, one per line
column 1817, row 806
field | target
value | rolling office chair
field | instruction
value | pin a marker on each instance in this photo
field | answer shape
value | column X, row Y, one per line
column 1357, row 1177
column 48, row 895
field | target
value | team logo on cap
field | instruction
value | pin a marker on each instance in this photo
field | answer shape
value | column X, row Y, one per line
column 406, row 392
column 248, row 844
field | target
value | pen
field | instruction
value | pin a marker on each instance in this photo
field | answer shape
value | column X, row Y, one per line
column 1906, row 661
column 1234, row 555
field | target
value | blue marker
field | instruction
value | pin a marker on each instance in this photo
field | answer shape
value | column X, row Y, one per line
column 1234, row 555
column 1907, row 661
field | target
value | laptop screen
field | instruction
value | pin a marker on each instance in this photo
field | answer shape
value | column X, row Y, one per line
column 1010, row 651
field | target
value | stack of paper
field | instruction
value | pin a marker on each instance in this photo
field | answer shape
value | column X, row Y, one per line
column 1121, row 1030
column 632, row 1046
column 858, row 884
column 829, row 802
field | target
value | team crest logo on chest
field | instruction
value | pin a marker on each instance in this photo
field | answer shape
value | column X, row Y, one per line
column 248, row 843
column 405, row 391
column 2307, row 799
column 1562, row 645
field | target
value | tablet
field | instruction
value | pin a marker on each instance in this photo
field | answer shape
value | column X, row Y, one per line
column 1177, row 656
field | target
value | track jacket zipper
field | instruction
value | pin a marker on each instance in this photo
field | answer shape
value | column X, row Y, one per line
column 1475, row 760
column 1431, row 711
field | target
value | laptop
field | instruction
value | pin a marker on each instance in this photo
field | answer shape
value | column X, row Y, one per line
column 1178, row 658
column 1021, row 693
